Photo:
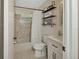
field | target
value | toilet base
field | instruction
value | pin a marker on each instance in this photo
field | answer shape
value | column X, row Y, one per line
column 40, row 53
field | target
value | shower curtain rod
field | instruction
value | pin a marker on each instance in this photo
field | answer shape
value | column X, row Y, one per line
column 28, row 8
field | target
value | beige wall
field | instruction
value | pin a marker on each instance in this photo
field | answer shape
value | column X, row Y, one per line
column 48, row 30
column 1, row 30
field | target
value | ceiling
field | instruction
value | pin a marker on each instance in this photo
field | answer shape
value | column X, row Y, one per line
column 30, row 3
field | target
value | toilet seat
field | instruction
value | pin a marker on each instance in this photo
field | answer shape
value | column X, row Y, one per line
column 39, row 46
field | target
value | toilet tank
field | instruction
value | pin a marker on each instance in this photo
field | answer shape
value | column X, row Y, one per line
column 45, row 38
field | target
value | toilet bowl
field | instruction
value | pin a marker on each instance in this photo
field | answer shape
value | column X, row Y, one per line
column 40, row 49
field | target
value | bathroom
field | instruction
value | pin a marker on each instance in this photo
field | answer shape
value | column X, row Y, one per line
column 37, row 29
column 33, row 32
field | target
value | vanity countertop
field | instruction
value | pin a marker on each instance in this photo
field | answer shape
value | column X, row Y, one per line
column 59, row 39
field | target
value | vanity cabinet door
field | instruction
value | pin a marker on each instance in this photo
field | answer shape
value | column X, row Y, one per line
column 53, row 53
column 56, row 55
column 49, row 52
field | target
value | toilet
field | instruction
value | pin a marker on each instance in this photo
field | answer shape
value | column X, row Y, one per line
column 40, row 49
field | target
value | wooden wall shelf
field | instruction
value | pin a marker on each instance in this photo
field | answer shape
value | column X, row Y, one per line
column 49, row 16
column 47, row 19
column 48, row 9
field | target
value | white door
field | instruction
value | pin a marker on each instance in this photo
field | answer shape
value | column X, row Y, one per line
column 63, row 27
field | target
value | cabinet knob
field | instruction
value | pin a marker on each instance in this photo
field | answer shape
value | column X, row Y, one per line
column 63, row 48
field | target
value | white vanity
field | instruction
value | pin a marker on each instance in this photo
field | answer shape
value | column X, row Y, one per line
column 54, row 47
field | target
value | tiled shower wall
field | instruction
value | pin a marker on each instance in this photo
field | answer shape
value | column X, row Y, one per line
column 23, row 23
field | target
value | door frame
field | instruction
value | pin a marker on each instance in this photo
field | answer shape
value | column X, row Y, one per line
column 70, row 29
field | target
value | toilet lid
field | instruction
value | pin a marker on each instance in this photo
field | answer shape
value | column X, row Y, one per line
column 39, row 45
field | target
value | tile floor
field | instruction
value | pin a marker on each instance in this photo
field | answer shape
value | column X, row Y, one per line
column 25, row 52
